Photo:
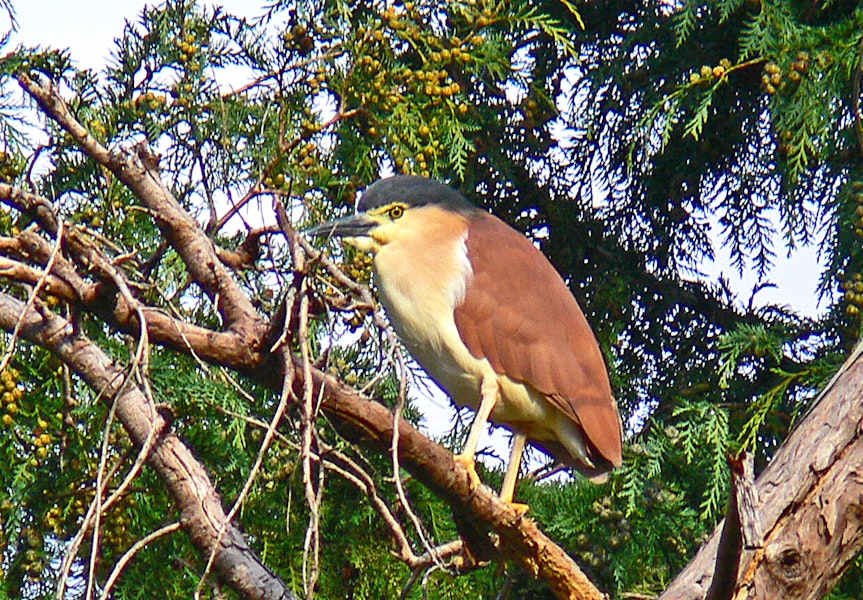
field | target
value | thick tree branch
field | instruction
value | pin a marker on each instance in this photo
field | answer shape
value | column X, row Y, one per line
column 370, row 423
column 810, row 495
column 228, row 347
column 197, row 501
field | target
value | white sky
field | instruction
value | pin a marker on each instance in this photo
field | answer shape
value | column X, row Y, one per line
column 89, row 27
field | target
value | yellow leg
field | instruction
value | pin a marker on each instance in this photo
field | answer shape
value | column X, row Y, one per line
column 508, row 487
column 488, row 391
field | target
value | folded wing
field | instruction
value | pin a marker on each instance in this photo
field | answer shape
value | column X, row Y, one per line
column 536, row 334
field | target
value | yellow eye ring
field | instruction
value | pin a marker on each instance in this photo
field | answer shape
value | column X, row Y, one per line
column 396, row 212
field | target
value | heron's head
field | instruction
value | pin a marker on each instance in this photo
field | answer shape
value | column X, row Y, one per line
column 395, row 207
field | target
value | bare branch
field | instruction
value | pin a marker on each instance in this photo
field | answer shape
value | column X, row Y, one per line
column 199, row 506
column 130, row 554
column 180, row 229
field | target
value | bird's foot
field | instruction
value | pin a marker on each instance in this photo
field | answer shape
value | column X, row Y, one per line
column 520, row 509
column 470, row 465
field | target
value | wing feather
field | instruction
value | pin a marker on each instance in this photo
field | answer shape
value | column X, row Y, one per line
column 534, row 331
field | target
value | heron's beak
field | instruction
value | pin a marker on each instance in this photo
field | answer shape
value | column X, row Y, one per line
column 354, row 226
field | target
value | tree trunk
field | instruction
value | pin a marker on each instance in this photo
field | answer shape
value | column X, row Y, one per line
column 810, row 508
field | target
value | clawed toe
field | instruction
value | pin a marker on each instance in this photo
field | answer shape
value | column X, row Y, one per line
column 519, row 508
column 470, row 465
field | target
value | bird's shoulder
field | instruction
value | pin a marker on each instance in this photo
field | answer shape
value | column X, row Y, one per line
column 515, row 297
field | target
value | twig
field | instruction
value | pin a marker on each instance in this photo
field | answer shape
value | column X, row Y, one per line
column 313, row 491
column 397, row 478
column 93, row 509
column 287, row 387
column 130, row 554
column 140, row 357
column 311, row 545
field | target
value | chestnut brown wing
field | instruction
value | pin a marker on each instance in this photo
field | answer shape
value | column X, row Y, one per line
column 519, row 314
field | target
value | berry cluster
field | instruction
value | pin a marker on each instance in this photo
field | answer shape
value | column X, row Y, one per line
column 11, row 395
column 776, row 80
column 852, row 283
column 594, row 553
column 707, row 73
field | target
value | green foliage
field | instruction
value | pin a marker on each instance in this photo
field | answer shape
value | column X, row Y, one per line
column 627, row 140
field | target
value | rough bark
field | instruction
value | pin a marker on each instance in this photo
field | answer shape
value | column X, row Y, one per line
column 811, row 506
column 186, row 479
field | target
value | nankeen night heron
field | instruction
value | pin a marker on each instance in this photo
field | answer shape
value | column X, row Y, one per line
column 490, row 320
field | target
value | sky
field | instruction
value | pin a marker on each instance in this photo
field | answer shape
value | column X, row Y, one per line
column 89, row 27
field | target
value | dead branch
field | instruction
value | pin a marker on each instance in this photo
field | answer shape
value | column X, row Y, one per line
column 742, row 528
column 810, row 492
column 198, row 503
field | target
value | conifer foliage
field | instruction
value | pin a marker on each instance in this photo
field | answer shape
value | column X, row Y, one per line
column 191, row 393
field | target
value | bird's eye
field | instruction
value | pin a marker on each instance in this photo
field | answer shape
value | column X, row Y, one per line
column 396, row 212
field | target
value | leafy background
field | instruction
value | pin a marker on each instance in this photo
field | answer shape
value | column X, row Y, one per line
column 617, row 134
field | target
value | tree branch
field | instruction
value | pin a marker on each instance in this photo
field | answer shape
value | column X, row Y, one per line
column 810, row 496
column 197, row 501
column 180, row 229
column 370, row 424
